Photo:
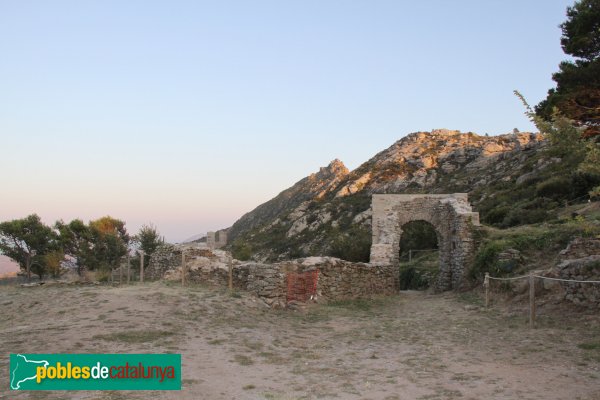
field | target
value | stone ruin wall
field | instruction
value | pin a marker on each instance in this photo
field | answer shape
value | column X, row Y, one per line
column 216, row 240
column 338, row 279
column 581, row 261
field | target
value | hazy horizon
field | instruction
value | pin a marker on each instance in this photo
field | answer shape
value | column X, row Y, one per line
column 189, row 114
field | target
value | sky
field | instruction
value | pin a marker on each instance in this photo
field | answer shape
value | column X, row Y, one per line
column 188, row 114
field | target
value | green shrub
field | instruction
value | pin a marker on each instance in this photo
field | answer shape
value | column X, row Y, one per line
column 555, row 187
column 496, row 215
column 486, row 260
column 411, row 278
column 241, row 251
column 582, row 183
column 519, row 216
column 353, row 244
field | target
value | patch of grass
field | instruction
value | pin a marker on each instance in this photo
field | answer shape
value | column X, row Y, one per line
column 243, row 360
column 253, row 345
column 471, row 298
column 216, row 341
column 272, row 358
column 249, row 387
column 136, row 336
column 589, row 346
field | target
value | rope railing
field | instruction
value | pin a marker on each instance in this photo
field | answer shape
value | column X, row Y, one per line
column 564, row 280
column 531, row 277
column 506, row 279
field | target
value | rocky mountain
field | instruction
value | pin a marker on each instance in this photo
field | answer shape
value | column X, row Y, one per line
column 313, row 187
column 328, row 213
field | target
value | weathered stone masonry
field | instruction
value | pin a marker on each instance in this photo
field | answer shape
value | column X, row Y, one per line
column 338, row 279
column 451, row 216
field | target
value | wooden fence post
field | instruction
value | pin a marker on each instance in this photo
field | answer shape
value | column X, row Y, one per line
column 531, row 300
column 182, row 267
column 128, row 268
column 486, row 283
column 230, row 273
column 120, row 273
column 141, row 266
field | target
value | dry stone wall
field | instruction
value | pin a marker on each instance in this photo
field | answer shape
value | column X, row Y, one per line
column 337, row 279
column 581, row 262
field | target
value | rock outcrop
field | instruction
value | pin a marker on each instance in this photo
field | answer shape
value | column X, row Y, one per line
column 318, row 214
column 313, row 187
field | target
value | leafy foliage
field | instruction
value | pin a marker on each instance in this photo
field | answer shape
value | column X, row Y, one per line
column 577, row 92
column 27, row 241
column 97, row 245
column 352, row 245
column 147, row 239
column 75, row 239
column 109, row 242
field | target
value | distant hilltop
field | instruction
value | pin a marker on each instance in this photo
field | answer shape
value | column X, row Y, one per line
column 319, row 213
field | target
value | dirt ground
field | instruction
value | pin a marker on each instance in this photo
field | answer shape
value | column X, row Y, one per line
column 410, row 346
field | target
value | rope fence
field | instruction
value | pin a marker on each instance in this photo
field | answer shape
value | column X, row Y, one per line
column 532, row 277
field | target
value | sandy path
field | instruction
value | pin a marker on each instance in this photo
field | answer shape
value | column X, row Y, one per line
column 413, row 346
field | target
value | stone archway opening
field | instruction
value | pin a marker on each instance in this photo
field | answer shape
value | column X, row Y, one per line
column 451, row 216
column 418, row 258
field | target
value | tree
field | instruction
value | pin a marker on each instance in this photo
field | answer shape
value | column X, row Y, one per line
column 109, row 242
column 581, row 30
column 27, row 241
column 565, row 138
column 75, row 239
column 148, row 239
column 53, row 263
column 577, row 92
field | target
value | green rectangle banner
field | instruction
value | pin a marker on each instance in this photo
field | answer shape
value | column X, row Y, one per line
column 95, row 371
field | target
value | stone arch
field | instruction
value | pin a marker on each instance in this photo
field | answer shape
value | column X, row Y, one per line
column 451, row 216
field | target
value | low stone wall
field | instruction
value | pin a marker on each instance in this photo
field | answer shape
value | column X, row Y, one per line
column 580, row 261
column 581, row 247
column 337, row 279
column 581, row 269
column 202, row 266
column 164, row 259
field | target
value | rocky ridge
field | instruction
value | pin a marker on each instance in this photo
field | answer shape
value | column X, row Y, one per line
column 313, row 216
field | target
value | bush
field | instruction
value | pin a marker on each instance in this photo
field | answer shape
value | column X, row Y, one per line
column 486, row 260
column 352, row 245
column 582, row 183
column 520, row 216
column 411, row 278
column 241, row 251
column 496, row 215
column 555, row 188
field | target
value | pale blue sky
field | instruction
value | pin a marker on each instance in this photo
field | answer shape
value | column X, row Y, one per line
column 190, row 113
